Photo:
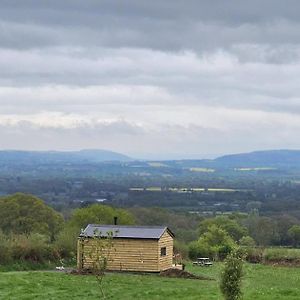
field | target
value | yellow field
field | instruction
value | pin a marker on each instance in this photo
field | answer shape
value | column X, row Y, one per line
column 255, row 169
column 157, row 164
column 205, row 170
column 153, row 189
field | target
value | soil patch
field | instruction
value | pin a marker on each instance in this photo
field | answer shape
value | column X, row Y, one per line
column 82, row 272
column 175, row 273
column 283, row 263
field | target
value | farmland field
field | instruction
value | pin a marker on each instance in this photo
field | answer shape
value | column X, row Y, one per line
column 261, row 283
column 184, row 189
column 205, row 170
column 255, row 169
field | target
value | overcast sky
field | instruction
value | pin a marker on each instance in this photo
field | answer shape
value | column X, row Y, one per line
column 147, row 78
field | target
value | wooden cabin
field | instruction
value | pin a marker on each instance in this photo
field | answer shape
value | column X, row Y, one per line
column 133, row 248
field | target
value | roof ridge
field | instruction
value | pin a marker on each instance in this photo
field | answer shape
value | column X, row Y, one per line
column 130, row 226
column 126, row 231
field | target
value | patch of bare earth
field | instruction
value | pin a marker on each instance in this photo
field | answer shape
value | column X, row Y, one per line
column 175, row 273
column 283, row 263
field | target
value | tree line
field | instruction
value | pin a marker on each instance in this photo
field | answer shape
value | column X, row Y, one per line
column 32, row 231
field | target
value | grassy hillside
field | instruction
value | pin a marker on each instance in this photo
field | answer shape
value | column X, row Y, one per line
column 261, row 283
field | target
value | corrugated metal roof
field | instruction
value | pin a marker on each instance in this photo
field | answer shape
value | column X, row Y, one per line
column 119, row 231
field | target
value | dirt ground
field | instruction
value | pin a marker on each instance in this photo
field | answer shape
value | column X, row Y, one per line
column 175, row 273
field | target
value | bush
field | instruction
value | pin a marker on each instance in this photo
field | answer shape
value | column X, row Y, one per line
column 253, row 255
column 66, row 243
column 223, row 251
column 34, row 248
column 5, row 249
column 231, row 277
column 215, row 243
column 198, row 249
column 181, row 248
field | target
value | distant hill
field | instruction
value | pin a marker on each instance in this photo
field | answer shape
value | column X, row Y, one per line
column 97, row 155
column 262, row 160
column 271, row 158
column 27, row 157
column 279, row 159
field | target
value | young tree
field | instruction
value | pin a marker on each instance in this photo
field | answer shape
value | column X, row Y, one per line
column 100, row 255
column 231, row 277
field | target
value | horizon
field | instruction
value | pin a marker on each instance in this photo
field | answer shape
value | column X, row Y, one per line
column 149, row 156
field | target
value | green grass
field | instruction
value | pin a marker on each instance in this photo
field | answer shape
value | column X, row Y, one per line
column 261, row 283
column 31, row 266
column 282, row 254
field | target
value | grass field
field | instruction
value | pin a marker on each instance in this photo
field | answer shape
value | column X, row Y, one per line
column 260, row 283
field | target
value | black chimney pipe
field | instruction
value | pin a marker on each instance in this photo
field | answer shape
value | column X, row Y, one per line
column 115, row 220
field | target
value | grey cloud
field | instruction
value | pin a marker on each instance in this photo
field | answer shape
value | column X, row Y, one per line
column 168, row 25
column 180, row 75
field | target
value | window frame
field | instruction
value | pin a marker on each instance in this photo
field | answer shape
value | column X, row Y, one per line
column 163, row 251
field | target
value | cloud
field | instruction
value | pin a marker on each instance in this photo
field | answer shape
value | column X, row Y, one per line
column 149, row 77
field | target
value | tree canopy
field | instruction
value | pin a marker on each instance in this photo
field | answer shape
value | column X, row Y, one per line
column 99, row 214
column 294, row 233
column 214, row 243
column 26, row 214
column 235, row 230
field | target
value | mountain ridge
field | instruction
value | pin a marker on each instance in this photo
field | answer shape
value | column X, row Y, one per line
column 263, row 158
column 89, row 155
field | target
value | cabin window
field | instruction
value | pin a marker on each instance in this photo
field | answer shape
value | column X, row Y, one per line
column 163, row 251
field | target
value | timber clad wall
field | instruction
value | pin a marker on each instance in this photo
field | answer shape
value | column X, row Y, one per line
column 128, row 254
column 165, row 262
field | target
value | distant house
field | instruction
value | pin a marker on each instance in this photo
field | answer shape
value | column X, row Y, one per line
column 135, row 248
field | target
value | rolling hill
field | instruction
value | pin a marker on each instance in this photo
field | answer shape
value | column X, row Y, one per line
column 91, row 156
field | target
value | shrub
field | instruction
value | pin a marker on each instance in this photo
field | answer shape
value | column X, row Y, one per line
column 231, row 277
column 253, row 255
column 199, row 249
column 34, row 248
column 223, row 251
column 181, row 248
column 66, row 243
column 5, row 249
column 215, row 243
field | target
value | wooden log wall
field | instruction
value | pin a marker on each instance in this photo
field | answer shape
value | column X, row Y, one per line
column 165, row 262
column 128, row 254
column 125, row 255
